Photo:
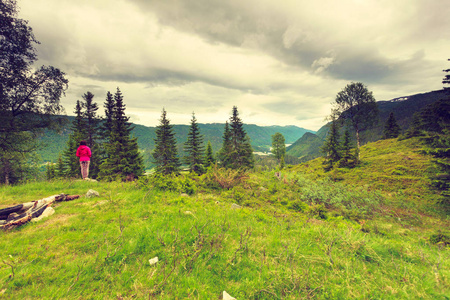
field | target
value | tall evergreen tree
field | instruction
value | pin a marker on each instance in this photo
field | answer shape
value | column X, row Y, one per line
column 60, row 167
column 240, row 153
column 194, row 148
column 78, row 133
column 107, row 124
column 332, row 147
column 92, row 123
column 165, row 153
column 209, row 156
column 391, row 129
column 347, row 158
column 224, row 152
column 122, row 153
column 415, row 129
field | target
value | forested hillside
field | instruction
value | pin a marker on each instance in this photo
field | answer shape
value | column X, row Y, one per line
column 404, row 108
column 54, row 142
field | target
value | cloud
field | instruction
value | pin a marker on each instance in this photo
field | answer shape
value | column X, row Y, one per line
column 280, row 61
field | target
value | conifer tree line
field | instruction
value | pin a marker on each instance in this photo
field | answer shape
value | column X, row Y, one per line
column 236, row 151
column 432, row 126
column 116, row 154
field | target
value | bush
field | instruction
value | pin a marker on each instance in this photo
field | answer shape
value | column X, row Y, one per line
column 221, row 178
column 299, row 206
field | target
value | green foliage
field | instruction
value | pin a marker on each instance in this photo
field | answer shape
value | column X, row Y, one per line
column 123, row 158
column 223, row 178
column 236, row 151
column 194, row 148
column 165, row 152
column 356, row 104
column 71, row 161
column 391, row 129
column 348, row 159
column 28, row 95
column 279, row 148
column 332, row 146
column 209, row 156
column 286, row 228
column 440, row 239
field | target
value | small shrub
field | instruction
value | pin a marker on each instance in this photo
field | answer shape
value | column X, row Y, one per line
column 299, row 206
column 318, row 211
column 165, row 182
column 188, row 186
column 440, row 238
column 221, row 178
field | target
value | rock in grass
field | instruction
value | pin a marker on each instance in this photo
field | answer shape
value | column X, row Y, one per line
column 226, row 296
column 153, row 260
column 47, row 212
column 235, row 206
column 92, row 193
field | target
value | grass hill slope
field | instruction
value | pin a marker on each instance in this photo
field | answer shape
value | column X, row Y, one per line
column 306, row 148
column 403, row 108
column 373, row 232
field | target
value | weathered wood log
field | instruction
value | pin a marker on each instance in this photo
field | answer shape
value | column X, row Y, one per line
column 6, row 211
column 20, row 214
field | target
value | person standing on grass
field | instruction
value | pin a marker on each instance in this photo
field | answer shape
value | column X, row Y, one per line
column 84, row 153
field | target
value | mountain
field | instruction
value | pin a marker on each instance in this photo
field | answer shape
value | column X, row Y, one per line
column 260, row 136
column 308, row 147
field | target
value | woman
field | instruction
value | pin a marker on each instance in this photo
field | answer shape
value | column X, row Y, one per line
column 84, row 153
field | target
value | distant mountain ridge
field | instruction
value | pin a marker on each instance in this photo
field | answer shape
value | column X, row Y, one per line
column 308, row 146
column 260, row 137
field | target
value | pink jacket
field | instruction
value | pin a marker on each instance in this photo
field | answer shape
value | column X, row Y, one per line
column 84, row 153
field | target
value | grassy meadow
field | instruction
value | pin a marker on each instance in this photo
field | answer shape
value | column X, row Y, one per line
column 373, row 232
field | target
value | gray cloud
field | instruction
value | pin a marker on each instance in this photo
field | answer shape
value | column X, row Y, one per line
column 281, row 61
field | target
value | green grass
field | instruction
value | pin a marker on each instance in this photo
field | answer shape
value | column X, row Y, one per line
column 306, row 236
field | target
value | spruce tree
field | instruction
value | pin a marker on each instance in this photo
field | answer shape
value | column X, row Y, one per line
column 241, row 154
column 50, row 171
column 391, row 129
column 346, row 151
column 71, row 161
column 60, row 167
column 122, row 153
column 165, row 153
column 415, row 129
column 108, row 121
column 194, row 148
column 92, row 132
column 332, row 147
column 225, row 152
column 209, row 156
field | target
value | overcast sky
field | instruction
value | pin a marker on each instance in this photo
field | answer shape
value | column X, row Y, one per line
column 281, row 62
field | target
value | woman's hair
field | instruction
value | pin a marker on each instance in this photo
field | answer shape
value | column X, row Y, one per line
column 83, row 143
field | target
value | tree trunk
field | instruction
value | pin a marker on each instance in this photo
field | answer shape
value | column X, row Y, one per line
column 358, row 144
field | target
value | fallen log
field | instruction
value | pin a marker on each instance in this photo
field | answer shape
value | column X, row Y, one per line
column 22, row 213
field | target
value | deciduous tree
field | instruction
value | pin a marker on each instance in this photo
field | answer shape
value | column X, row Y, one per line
column 356, row 104
column 279, row 147
column 27, row 97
